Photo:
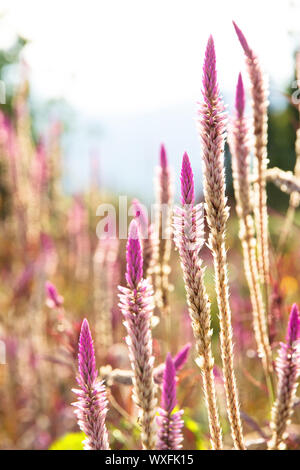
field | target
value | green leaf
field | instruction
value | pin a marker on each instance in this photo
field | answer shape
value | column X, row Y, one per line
column 71, row 441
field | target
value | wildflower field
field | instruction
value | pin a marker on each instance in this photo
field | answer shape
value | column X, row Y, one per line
column 170, row 327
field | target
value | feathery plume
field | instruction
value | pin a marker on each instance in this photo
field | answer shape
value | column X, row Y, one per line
column 288, row 371
column 212, row 130
column 164, row 197
column 169, row 424
column 239, row 147
column 259, row 94
column 189, row 239
column 136, row 303
column 91, row 405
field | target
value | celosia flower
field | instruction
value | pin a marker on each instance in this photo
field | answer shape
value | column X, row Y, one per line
column 164, row 197
column 181, row 357
column 212, row 133
column 53, row 300
column 179, row 360
column 146, row 232
column 134, row 258
column 259, row 94
column 91, row 405
column 240, row 150
column 288, row 370
column 169, row 423
column 136, row 303
column 189, row 239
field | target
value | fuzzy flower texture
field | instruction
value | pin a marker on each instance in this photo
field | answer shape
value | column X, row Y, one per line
column 288, row 370
column 212, row 132
column 91, row 405
column 189, row 239
column 136, row 303
column 169, row 423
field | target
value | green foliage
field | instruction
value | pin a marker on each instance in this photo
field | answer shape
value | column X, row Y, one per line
column 194, row 427
column 9, row 58
column 71, row 441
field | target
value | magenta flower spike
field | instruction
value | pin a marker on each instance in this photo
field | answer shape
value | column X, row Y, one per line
column 243, row 41
column 134, row 256
column 169, row 424
column 240, row 150
column 53, row 300
column 187, row 182
column 259, row 93
column 168, row 399
column 188, row 220
column 86, row 356
column 164, row 180
column 212, row 111
column 162, row 232
column 293, row 330
column 182, row 356
column 179, row 360
column 240, row 97
column 136, row 303
column 212, row 129
column 288, row 371
column 163, row 157
column 189, row 239
column 91, row 405
column 146, row 233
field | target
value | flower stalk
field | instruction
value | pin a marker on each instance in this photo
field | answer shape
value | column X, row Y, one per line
column 239, row 147
column 288, row 370
column 170, row 423
column 164, row 199
column 136, row 303
column 259, row 92
column 91, row 405
column 212, row 130
column 189, row 239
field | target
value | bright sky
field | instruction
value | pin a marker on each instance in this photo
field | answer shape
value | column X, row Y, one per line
column 133, row 68
column 131, row 56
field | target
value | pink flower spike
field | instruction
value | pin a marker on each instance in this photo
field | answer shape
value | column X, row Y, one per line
column 182, row 356
column 187, row 182
column 288, row 371
column 168, row 399
column 210, row 84
column 54, row 300
column 134, row 256
column 169, row 423
column 293, row 330
column 240, row 97
column 91, row 404
column 243, row 41
column 163, row 157
column 86, row 356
